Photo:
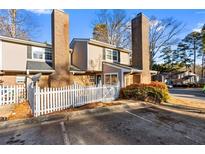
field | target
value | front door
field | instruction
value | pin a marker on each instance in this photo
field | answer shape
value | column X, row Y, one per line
column 99, row 79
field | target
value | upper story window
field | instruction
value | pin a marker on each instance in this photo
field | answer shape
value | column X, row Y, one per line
column 41, row 54
column 112, row 55
column 37, row 55
column 48, row 55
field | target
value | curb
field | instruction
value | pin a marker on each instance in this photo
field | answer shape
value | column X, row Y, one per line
column 170, row 109
column 70, row 115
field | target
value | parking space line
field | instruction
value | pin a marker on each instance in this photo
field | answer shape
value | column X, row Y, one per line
column 65, row 135
column 139, row 117
column 186, row 136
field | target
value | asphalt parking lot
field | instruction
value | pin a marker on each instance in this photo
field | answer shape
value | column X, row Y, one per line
column 188, row 93
column 145, row 126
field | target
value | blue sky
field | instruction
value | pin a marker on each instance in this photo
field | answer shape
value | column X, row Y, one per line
column 81, row 21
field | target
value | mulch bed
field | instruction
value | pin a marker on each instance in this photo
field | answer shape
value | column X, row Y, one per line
column 23, row 111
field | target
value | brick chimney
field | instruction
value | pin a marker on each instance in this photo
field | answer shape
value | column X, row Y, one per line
column 60, row 45
column 140, row 47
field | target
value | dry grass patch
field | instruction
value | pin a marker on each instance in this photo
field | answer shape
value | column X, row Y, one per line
column 89, row 106
column 20, row 111
column 187, row 103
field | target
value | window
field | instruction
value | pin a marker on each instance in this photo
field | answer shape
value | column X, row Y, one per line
column 20, row 79
column 41, row 54
column 108, row 54
column 115, row 55
column 37, row 55
column 48, row 55
column 111, row 78
column 112, row 55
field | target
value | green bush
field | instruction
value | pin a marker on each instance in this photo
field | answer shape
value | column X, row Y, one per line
column 155, row 92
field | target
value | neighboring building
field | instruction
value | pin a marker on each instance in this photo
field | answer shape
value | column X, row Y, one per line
column 179, row 78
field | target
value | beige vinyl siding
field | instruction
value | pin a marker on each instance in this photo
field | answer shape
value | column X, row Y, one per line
column 124, row 58
column 14, row 56
column 95, row 57
column 79, row 56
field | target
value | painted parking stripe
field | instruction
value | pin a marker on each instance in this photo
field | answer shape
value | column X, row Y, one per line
column 65, row 136
column 186, row 136
column 139, row 117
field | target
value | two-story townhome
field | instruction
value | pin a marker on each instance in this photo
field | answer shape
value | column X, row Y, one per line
column 19, row 58
column 105, row 63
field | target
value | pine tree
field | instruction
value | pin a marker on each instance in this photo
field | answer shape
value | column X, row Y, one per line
column 183, row 55
column 203, row 50
column 192, row 45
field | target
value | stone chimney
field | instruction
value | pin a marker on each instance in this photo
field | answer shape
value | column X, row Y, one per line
column 140, row 47
column 60, row 45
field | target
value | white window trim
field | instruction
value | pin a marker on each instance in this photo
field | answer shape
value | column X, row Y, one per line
column 110, row 76
column 43, row 52
column 111, row 60
column 20, row 76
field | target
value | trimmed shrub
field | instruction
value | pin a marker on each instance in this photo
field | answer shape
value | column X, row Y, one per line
column 155, row 92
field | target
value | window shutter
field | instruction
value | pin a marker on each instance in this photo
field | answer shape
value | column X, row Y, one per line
column 104, row 50
column 118, row 56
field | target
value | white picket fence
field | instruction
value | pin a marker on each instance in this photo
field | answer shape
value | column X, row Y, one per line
column 48, row 100
column 12, row 94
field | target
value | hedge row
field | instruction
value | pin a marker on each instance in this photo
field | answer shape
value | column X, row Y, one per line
column 155, row 92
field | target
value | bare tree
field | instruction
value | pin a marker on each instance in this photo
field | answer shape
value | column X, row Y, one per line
column 17, row 24
column 163, row 33
column 117, row 26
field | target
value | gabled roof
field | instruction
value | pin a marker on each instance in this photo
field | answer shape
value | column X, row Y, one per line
column 99, row 43
column 127, row 68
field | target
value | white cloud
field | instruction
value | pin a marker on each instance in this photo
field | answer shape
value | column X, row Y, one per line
column 154, row 22
column 198, row 27
column 40, row 11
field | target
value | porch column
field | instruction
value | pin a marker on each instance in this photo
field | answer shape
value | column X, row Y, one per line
column 122, row 79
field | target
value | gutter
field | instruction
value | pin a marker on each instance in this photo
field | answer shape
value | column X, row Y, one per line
column 26, row 42
column 78, row 72
column 42, row 71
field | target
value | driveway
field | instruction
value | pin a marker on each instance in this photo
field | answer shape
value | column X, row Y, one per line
column 188, row 93
column 147, row 125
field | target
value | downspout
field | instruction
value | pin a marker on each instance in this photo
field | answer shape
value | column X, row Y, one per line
column 122, row 78
column 26, row 84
